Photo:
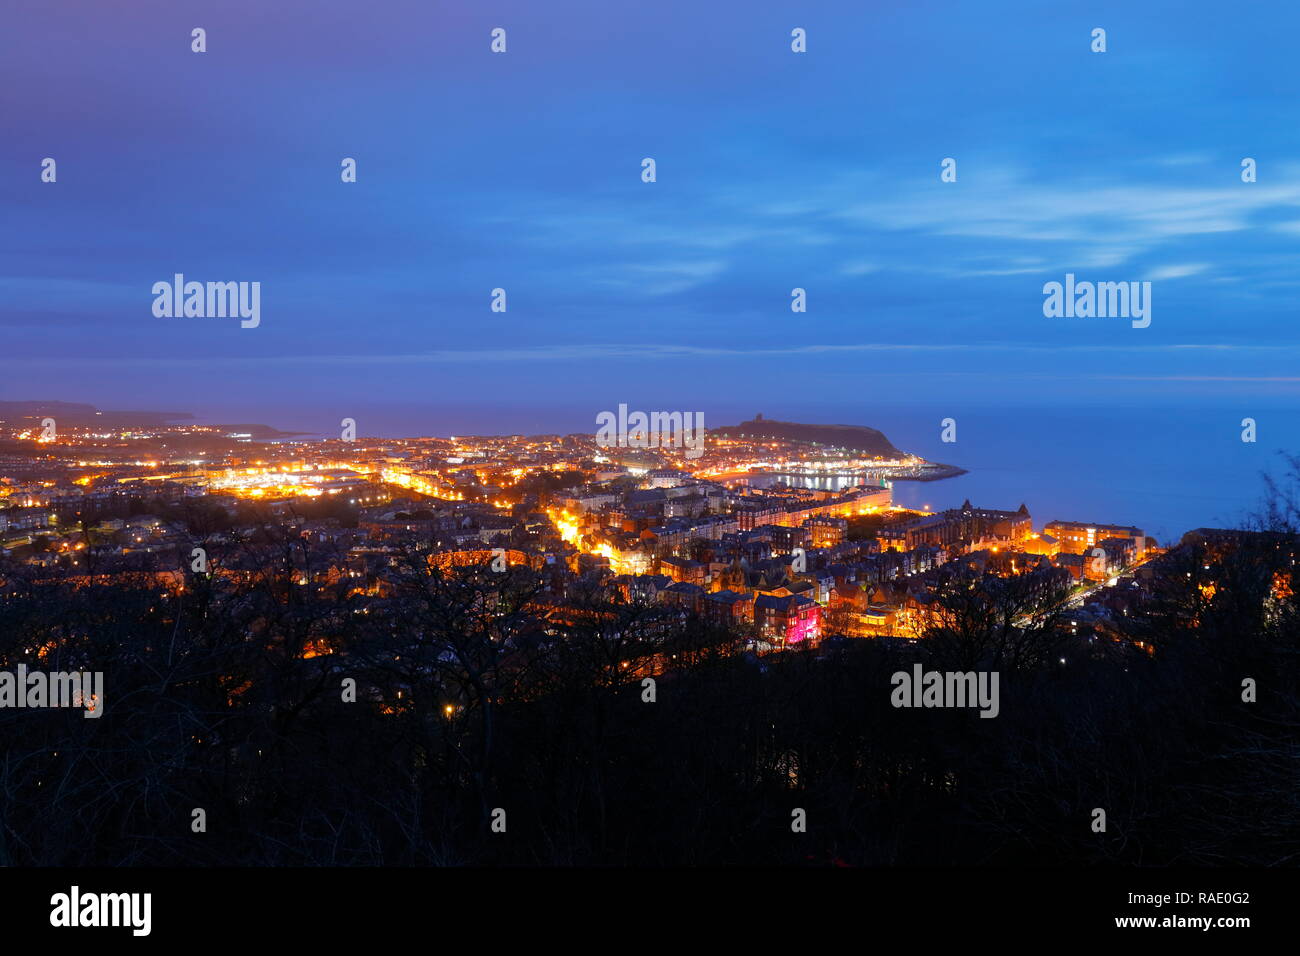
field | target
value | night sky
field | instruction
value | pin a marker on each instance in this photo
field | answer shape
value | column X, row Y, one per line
column 523, row 171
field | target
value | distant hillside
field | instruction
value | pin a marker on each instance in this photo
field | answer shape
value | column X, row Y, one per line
column 80, row 414
column 853, row 437
column 77, row 413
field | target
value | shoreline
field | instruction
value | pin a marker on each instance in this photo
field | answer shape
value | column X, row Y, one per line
column 942, row 472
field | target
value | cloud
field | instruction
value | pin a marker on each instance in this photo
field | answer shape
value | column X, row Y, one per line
column 859, row 268
column 659, row 277
column 599, row 353
column 1177, row 271
column 996, row 221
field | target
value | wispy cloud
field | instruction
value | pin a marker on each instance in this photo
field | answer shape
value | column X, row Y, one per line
column 1177, row 271
column 650, row 351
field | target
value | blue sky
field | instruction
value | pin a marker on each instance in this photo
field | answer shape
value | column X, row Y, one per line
column 522, row 171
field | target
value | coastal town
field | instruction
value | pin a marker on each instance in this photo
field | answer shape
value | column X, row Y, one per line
column 787, row 542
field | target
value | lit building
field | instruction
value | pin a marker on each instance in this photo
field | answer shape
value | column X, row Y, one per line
column 962, row 527
column 1078, row 537
column 788, row 619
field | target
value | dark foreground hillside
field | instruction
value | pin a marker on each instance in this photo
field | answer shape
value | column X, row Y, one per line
column 472, row 697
